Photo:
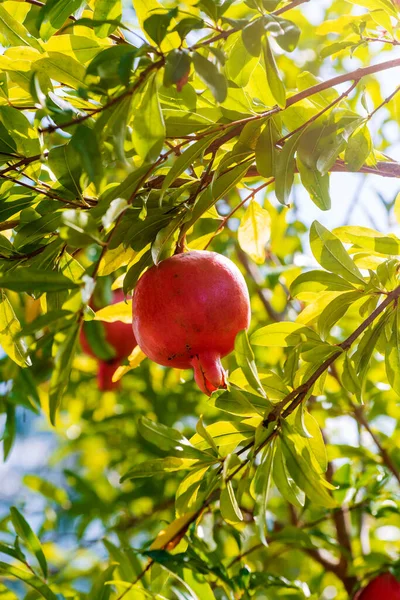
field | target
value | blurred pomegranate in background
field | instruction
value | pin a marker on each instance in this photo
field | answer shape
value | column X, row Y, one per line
column 120, row 340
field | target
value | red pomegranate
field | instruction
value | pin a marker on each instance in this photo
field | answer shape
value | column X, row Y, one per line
column 187, row 312
column 383, row 587
column 120, row 336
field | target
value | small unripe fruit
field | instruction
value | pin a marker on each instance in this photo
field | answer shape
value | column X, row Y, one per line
column 120, row 337
column 383, row 587
column 187, row 311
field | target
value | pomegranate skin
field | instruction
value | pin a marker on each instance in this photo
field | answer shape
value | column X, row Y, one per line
column 187, row 312
column 383, row 587
column 120, row 336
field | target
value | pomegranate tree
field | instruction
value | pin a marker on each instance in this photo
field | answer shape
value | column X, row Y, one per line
column 120, row 337
column 187, row 311
column 383, row 587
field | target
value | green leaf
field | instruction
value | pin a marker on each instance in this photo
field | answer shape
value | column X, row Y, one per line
column 317, row 185
column 157, row 466
column 213, row 193
column 331, row 255
column 168, row 439
column 252, row 36
column 262, row 485
column 358, row 149
column 364, row 237
column 46, row 489
column 266, row 151
column 303, row 472
column 66, row 164
column 100, row 589
column 285, row 168
column 54, row 14
column 285, row 32
column 284, row 482
column 10, row 329
column 24, row 531
column 165, row 242
column 7, row 143
column 184, row 161
column 62, row 68
column 86, row 144
column 177, row 68
column 13, row 33
column 148, row 128
column 274, row 79
column 95, row 334
column 392, row 355
column 335, row 310
column 135, row 271
column 156, row 26
column 9, row 430
column 29, row 578
column 79, row 228
column 229, row 507
column 241, row 403
column 318, row 281
column 12, row 551
column 210, row 75
column 106, row 10
column 245, row 359
column 254, row 231
column 284, row 334
column 28, row 279
column 62, row 369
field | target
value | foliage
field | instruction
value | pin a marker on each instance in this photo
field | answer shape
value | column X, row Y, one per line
column 123, row 143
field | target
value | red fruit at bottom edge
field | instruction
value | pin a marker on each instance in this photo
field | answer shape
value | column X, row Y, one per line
column 120, row 336
column 187, row 312
column 383, row 587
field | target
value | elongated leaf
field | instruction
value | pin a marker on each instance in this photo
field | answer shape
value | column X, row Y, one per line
column 283, row 334
column 62, row 369
column 262, row 484
column 392, row 355
column 54, row 14
column 170, row 536
column 27, row 279
column 330, row 253
column 168, row 439
column 284, row 482
column 29, row 578
column 10, row 329
column 23, row 529
column 47, row 489
column 230, row 510
column 14, row 33
column 266, row 151
column 245, row 360
column 284, row 169
column 101, row 590
column 148, row 129
column 208, row 72
column 185, row 160
column 106, row 10
column 317, row 185
column 358, row 149
column 318, row 281
column 157, row 466
column 254, row 231
column 364, row 237
column 274, row 79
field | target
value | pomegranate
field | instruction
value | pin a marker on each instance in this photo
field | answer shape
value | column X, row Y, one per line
column 383, row 587
column 187, row 312
column 120, row 337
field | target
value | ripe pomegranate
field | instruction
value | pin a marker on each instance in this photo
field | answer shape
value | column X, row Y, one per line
column 383, row 587
column 120, row 336
column 187, row 312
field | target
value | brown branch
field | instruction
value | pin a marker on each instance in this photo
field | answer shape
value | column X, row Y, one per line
column 381, row 40
column 386, row 101
column 109, row 104
column 225, row 34
column 9, row 225
column 319, row 114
